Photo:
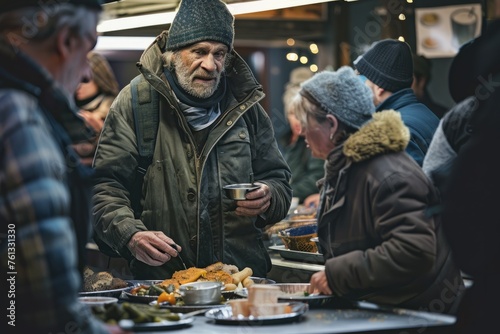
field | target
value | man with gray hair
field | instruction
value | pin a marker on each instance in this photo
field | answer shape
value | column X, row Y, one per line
column 44, row 202
column 208, row 131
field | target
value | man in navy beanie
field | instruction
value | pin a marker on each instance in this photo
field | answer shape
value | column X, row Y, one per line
column 388, row 69
column 208, row 130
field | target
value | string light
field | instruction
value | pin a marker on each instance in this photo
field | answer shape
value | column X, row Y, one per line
column 292, row 56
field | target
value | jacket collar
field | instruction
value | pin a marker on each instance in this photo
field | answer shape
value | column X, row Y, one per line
column 385, row 133
column 398, row 100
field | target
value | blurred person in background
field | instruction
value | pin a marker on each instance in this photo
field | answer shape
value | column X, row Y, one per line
column 378, row 241
column 211, row 132
column 387, row 67
column 470, row 83
column 306, row 170
column 94, row 98
column 44, row 189
column 470, row 206
column 422, row 68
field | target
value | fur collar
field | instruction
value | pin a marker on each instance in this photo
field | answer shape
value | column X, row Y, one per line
column 385, row 133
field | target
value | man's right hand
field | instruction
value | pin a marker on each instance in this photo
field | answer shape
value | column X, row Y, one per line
column 152, row 247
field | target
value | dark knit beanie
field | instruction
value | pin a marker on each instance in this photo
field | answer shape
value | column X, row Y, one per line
column 8, row 5
column 201, row 20
column 388, row 64
column 341, row 94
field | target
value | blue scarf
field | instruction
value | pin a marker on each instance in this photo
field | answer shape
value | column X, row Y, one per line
column 199, row 113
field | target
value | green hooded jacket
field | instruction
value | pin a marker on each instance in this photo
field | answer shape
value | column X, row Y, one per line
column 182, row 188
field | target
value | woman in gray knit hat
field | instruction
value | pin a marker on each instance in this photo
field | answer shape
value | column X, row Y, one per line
column 379, row 242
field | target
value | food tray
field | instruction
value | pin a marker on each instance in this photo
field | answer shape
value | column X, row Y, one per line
column 298, row 255
column 115, row 293
column 224, row 316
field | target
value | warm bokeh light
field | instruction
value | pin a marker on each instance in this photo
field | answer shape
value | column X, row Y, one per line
column 304, row 60
column 402, row 17
column 290, row 42
column 313, row 68
column 409, row 1
column 401, row 38
column 314, row 48
column 292, row 56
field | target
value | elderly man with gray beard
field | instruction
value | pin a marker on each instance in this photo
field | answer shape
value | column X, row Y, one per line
column 210, row 132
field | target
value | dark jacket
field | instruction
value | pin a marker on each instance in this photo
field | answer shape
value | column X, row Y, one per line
column 421, row 121
column 453, row 132
column 44, row 200
column 306, row 170
column 380, row 242
column 182, row 189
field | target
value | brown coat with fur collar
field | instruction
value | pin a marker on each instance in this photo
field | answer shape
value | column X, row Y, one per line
column 380, row 239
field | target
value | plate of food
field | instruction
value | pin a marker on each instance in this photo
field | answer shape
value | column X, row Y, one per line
column 140, row 317
column 147, row 291
column 293, row 311
column 229, row 276
column 102, row 284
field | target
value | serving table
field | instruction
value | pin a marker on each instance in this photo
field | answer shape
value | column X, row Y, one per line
column 366, row 319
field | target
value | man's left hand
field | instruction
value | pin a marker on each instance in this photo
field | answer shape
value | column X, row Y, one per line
column 257, row 202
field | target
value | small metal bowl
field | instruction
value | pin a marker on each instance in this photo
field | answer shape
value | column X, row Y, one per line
column 201, row 293
column 238, row 191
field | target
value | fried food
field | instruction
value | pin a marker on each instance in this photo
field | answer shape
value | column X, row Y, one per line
column 189, row 275
column 172, row 281
column 241, row 275
column 215, row 267
column 247, row 281
column 230, row 268
column 218, row 276
column 102, row 280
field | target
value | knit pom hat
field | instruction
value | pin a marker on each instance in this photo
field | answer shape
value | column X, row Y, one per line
column 17, row 4
column 201, row 20
column 341, row 94
column 388, row 64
